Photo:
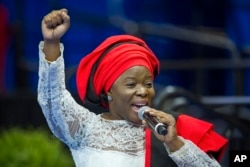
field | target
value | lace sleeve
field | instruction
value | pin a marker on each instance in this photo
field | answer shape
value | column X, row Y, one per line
column 64, row 116
column 190, row 155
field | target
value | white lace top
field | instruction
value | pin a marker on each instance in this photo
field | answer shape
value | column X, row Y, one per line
column 94, row 141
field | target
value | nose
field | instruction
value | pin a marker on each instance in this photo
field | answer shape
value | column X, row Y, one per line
column 142, row 91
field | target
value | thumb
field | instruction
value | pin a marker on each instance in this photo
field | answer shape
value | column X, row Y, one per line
column 65, row 16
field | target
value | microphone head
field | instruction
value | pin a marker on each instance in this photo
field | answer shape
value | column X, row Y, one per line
column 162, row 130
column 141, row 112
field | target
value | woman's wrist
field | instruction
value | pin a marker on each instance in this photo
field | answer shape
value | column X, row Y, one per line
column 175, row 144
column 51, row 49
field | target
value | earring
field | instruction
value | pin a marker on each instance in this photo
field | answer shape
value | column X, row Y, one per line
column 110, row 98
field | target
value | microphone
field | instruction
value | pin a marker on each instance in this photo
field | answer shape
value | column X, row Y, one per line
column 153, row 122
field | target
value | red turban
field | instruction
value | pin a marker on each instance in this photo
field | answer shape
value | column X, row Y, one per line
column 100, row 68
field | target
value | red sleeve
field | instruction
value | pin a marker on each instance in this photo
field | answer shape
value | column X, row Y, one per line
column 202, row 134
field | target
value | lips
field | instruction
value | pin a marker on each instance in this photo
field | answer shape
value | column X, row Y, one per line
column 137, row 106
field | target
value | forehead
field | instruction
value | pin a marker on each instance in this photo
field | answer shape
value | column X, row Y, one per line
column 136, row 71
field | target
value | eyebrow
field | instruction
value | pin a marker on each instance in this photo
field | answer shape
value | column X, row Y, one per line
column 130, row 77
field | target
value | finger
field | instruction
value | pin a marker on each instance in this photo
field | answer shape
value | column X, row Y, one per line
column 65, row 16
column 159, row 113
column 47, row 20
column 61, row 16
column 53, row 19
column 163, row 117
column 56, row 18
column 168, row 120
column 64, row 10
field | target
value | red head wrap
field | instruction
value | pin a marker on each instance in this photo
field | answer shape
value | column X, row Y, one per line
column 109, row 60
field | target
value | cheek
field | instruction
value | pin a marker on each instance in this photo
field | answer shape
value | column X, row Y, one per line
column 123, row 99
column 125, row 96
column 120, row 96
column 151, row 95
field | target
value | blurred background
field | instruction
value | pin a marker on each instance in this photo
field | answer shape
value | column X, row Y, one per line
column 203, row 47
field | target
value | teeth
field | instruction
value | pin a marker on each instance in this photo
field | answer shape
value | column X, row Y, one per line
column 139, row 105
column 142, row 104
column 136, row 107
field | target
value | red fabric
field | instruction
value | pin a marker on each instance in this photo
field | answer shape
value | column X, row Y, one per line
column 117, row 60
column 202, row 134
column 148, row 148
column 198, row 131
column 4, row 36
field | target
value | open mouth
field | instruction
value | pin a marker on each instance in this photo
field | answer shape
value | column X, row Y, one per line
column 136, row 107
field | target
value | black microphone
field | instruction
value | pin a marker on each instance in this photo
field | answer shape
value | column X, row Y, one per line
column 153, row 122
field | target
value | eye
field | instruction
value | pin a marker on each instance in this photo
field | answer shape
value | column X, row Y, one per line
column 131, row 84
column 149, row 84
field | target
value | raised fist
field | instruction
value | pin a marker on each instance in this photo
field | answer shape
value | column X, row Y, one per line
column 55, row 24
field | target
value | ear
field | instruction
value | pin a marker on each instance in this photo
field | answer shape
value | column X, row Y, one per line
column 109, row 96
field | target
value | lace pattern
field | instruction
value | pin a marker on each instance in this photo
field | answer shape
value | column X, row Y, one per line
column 190, row 155
column 89, row 135
column 75, row 125
column 101, row 158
